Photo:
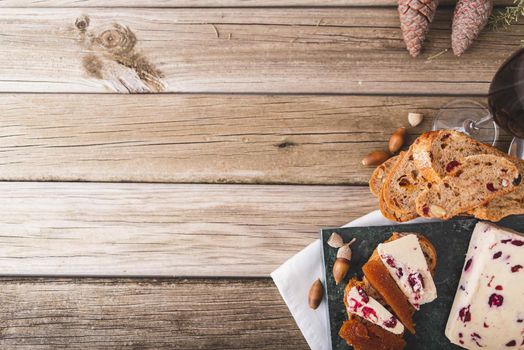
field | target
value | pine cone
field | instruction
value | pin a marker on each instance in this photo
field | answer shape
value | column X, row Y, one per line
column 415, row 17
column 469, row 19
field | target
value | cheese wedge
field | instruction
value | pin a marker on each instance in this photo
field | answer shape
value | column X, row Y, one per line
column 361, row 304
column 406, row 264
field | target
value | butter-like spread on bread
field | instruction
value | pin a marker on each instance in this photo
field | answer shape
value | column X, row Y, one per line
column 361, row 304
column 488, row 310
column 405, row 262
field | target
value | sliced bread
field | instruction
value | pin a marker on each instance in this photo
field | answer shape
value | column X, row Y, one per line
column 403, row 185
column 471, row 181
column 435, row 154
column 380, row 174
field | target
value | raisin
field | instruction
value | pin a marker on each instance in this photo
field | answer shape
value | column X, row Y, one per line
column 516, row 268
column 497, row 255
column 490, row 187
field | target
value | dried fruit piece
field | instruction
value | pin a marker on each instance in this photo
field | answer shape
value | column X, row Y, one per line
column 316, row 292
column 415, row 17
column 470, row 17
column 375, row 158
column 415, row 119
column 397, row 140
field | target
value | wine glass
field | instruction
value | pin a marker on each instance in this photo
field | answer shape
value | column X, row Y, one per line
column 505, row 108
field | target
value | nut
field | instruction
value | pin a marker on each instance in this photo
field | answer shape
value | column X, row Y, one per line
column 341, row 266
column 437, row 211
column 397, row 140
column 415, row 119
column 505, row 183
column 316, row 292
column 375, row 158
column 340, row 269
column 335, row 240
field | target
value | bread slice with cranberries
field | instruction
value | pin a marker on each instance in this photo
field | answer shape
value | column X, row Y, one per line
column 360, row 332
column 470, row 182
column 437, row 153
column 402, row 186
column 380, row 173
column 380, row 276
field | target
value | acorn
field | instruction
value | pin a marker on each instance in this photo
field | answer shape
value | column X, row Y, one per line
column 341, row 265
column 375, row 158
column 316, row 292
column 397, row 140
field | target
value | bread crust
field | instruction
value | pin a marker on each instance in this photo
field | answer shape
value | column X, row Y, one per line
column 379, row 175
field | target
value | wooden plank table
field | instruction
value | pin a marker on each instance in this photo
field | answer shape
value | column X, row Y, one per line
column 154, row 220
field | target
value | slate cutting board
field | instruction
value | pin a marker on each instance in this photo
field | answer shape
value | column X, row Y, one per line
column 450, row 238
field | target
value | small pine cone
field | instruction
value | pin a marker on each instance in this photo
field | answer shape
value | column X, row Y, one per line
column 415, row 17
column 470, row 17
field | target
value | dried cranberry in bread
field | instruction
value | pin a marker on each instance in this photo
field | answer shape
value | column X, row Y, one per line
column 402, row 185
column 436, row 152
column 364, row 335
column 380, row 174
column 473, row 181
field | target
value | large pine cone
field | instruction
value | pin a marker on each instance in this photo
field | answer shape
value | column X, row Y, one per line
column 415, row 17
column 470, row 17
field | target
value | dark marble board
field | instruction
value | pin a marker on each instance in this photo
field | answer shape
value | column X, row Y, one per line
column 450, row 238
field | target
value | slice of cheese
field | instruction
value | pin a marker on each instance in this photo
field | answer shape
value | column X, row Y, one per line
column 488, row 310
column 405, row 262
column 361, row 304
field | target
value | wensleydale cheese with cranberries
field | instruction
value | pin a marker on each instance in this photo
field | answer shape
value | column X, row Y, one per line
column 488, row 310
column 360, row 304
column 406, row 264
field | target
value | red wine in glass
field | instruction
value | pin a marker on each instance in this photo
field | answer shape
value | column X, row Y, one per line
column 506, row 108
column 506, row 95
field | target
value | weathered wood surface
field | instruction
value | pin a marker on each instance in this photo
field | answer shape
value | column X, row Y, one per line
column 210, row 3
column 200, row 138
column 145, row 314
column 272, row 50
column 165, row 230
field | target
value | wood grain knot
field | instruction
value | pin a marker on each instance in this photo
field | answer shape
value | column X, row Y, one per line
column 82, row 22
column 110, row 55
column 286, row 144
column 118, row 40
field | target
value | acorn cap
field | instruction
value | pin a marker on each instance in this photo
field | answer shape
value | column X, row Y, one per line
column 344, row 252
column 335, row 240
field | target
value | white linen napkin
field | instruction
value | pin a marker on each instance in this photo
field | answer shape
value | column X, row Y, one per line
column 294, row 278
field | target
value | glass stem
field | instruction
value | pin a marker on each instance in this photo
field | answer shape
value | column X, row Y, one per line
column 472, row 126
